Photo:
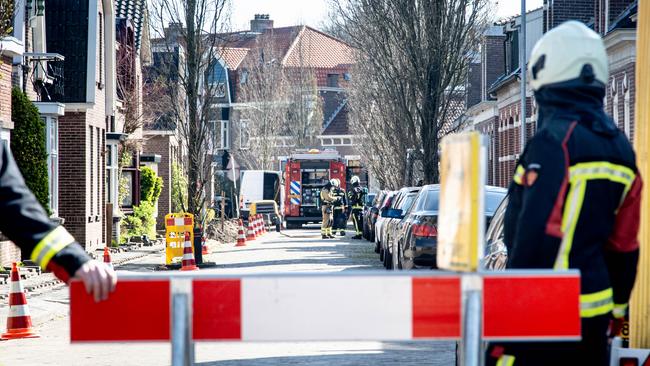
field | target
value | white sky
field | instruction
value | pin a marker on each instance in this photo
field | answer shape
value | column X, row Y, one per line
column 312, row 12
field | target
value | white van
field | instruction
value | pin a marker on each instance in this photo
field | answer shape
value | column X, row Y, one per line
column 259, row 185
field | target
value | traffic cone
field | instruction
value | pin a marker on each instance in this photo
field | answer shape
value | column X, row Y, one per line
column 258, row 232
column 250, row 233
column 264, row 231
column 189, row 264
column 107, row 257
column 204, row 246
column 19, row 321
column 241, row 239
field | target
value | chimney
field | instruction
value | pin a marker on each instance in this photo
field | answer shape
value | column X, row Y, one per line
column 261, row 23
column 173, row 31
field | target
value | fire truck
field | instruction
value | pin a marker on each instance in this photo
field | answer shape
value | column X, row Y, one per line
column 306, row 172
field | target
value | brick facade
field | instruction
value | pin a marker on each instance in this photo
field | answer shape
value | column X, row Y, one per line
column 562, row 10
column 5, row 91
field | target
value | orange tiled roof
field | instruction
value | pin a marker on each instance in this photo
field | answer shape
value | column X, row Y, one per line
column 233, row 56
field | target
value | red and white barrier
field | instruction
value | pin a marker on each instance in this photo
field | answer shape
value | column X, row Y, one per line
column 532, row 306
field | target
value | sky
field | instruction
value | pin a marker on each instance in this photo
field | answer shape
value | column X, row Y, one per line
column 313, row 12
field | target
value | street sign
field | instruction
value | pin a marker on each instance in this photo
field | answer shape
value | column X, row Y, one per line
column 461, row 220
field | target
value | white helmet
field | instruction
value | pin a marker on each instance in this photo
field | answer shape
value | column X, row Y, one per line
column 334, row 182
column 354, row 179
column 562, row 53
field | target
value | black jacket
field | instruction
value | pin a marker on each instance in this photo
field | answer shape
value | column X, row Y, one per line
column 575, row 198
column 24, row 221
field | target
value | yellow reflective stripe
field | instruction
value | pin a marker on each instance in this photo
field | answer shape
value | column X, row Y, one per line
column 570, row 217
column 519, row 175
column 506, row 360
column 597, row 303
column 597, row 296
column 619, row 310
column 51, row 244
column 602, row 170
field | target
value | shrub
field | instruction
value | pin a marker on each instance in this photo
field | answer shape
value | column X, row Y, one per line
column 150, row 185
column 179, row 189
column 28, row 145
column 142, row 221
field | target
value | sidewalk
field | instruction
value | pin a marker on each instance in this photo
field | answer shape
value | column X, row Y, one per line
column 36, row 285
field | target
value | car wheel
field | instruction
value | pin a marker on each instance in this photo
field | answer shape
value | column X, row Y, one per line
column 389, row 260
column 381, row 253
column 376, row 248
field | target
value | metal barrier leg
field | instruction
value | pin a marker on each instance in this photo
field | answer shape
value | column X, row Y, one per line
column 471, row 341
column 182, row 345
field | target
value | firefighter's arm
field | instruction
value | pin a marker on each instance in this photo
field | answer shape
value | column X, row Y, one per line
column 24, row 221
column 540, row 183
column 622, row 249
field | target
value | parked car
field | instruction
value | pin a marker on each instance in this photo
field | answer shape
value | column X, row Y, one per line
column 393, row 218
column 496, row 252
column 367, row 204
column 416, row 238
column 370, row 215
column 376, row 228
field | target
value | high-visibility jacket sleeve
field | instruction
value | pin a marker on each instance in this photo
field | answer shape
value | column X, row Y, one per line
column 622, row 250
column 326, row 196
column 24, row 221
column 535, row 189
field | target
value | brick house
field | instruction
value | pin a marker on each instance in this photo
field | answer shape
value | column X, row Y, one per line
column 10, row 47
column 298, row 47
column 498, row 113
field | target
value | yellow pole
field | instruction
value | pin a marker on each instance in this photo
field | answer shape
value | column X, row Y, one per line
column 640, row 304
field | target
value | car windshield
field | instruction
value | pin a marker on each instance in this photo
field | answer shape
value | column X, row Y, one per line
column 407, row 202
column 430, row 202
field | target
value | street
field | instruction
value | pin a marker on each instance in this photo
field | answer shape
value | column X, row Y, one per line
column 289, row 251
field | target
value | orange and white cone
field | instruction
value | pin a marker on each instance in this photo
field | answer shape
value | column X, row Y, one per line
column 19, row 321
column 241, row 239
column 250, row 233
column 107, row 257
column 189, row 264
column 204, row 246
column 257, row 226
column 264, row 231
column 260, row 223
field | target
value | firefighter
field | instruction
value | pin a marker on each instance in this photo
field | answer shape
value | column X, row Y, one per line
column 326, row 199
column 24, row 221
column 575, row 197
column 356, row 198
column 340, row 203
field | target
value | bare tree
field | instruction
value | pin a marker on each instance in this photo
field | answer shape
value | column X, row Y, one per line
column 192, row 38
column 412, row 61
column 305, row 114
column 7, row 11
column 265, row 94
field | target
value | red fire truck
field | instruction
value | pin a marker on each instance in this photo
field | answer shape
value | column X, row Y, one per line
column 306, row 172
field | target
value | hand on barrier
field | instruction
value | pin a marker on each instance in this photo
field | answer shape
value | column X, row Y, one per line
column 98, row 278
column 616, row 327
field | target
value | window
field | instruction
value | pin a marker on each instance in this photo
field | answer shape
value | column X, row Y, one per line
column 100, row 22
column 626, row 107
column 244, row 134
column 91, row 133
column 614, row 91
column 98, row 164
column 244, row 77
column 225, row 138
column 333, row 80
column 52, row 145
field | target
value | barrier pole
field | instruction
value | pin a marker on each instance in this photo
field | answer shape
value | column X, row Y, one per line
column 181, row 354
column 471, row 337
column 640, row 302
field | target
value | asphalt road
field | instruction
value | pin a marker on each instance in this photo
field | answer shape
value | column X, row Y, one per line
column 290, row 251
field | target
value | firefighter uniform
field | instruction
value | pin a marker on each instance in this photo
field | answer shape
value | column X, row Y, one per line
column 24, row 221
column 356, row 198
column 326, row 199
column 575, row 204
column 340, row 217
